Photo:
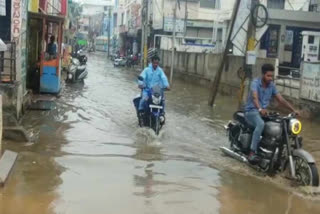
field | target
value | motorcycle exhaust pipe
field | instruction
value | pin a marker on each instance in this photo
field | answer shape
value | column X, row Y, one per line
column 233, row 154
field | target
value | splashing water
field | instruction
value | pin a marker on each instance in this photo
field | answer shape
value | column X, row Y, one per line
column 147, row 137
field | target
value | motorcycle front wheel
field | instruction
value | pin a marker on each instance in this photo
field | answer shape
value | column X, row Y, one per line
column 156, row 125
column 306, row 173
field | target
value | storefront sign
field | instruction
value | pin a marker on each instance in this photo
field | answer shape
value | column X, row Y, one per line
column 16, row 21
column 168, row 25
column 2, row 7
column 310, row 81
column 19, row 9
column 33, row 6
column 200, row 24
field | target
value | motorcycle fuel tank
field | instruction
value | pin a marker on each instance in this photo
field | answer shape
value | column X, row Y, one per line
column 272, row 129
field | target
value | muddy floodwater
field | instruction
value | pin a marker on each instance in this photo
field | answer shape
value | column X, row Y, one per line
column 89, row 156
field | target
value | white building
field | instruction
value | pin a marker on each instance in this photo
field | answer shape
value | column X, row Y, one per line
column 93, row 7
column 127, row 25
column 201, row 24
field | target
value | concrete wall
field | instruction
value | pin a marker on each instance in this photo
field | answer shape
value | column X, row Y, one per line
column 204, row 68
column 10, row 100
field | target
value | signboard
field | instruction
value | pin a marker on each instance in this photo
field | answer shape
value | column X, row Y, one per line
column 16, row 21
column 19, row 9
column 310, row 81
column 2, row 7
column 239, row 33
column 168, row 25
column 33, row 6
column 200, row 24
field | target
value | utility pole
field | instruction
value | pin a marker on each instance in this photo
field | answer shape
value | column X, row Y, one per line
column 144, row 34
column 109, row 31
column 185, row 18
column 173, row 39
column 216, row 82
column 251, row 40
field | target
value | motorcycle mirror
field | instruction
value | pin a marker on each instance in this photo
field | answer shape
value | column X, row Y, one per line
column 140, row 78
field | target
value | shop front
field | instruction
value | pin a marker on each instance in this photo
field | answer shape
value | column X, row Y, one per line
column 45, row 52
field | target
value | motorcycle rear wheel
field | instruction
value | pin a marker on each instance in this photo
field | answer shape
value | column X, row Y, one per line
column 306, row 173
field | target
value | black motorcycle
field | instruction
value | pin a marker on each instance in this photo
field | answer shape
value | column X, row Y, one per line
column 280, row 147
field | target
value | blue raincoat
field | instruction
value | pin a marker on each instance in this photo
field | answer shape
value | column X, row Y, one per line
column 152, row 78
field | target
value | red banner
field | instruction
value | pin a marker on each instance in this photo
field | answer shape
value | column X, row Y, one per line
column 64, row 7
column 43, row 5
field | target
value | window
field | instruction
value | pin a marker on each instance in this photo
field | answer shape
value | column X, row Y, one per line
column 210, row 4
column 128, row 18
column 319, row 52
column 115, row 20
column 122, row 19
column 219, row 35
column 275, row 4
column 288, row 42
column 310, row 39
column 314, row 6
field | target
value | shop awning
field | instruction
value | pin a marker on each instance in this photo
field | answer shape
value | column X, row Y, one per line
column 49, row 18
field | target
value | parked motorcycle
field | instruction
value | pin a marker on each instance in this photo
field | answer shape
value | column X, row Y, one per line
column 153, row 114
column 81, row 56
column 280, row 147
column 132, row 60
column 77, row 70
column 114, row 56
column 121, row 61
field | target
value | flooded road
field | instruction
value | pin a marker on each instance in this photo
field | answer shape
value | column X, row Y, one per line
column 89, row 156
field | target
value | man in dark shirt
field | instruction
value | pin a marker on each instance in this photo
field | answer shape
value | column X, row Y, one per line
column 52, row 47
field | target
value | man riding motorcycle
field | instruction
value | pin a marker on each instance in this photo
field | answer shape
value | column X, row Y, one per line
column 262, row 90
column 152, row 75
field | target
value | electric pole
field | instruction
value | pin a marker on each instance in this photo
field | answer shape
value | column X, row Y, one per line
column 173, row 39
column 251, row 43
column 109, row 31
column 215, row 84
column 144, row 34
column 185, row 18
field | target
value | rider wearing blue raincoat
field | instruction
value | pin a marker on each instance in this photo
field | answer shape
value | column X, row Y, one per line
column 152, row 75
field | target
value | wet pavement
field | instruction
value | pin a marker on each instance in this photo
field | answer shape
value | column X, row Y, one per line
column 89, row 156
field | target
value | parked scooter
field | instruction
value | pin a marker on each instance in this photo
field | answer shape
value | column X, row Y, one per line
column 77, row 71
column 153, row 115
column 114, row 56
column 280, row 147
column 120, row 62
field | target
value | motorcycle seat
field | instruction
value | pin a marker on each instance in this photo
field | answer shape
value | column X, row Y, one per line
column 239, row 116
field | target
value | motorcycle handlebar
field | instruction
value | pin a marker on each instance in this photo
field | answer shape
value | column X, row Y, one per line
column 276, row 115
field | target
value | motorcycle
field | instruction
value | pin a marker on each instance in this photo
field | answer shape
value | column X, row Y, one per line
column 113, row 56
column 132, row 60
column 280, row 147
column 153, row 114
column 77, row 70
column 121, row 61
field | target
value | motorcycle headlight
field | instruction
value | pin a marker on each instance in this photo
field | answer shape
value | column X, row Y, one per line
column 295, row 126
column 156, row 100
